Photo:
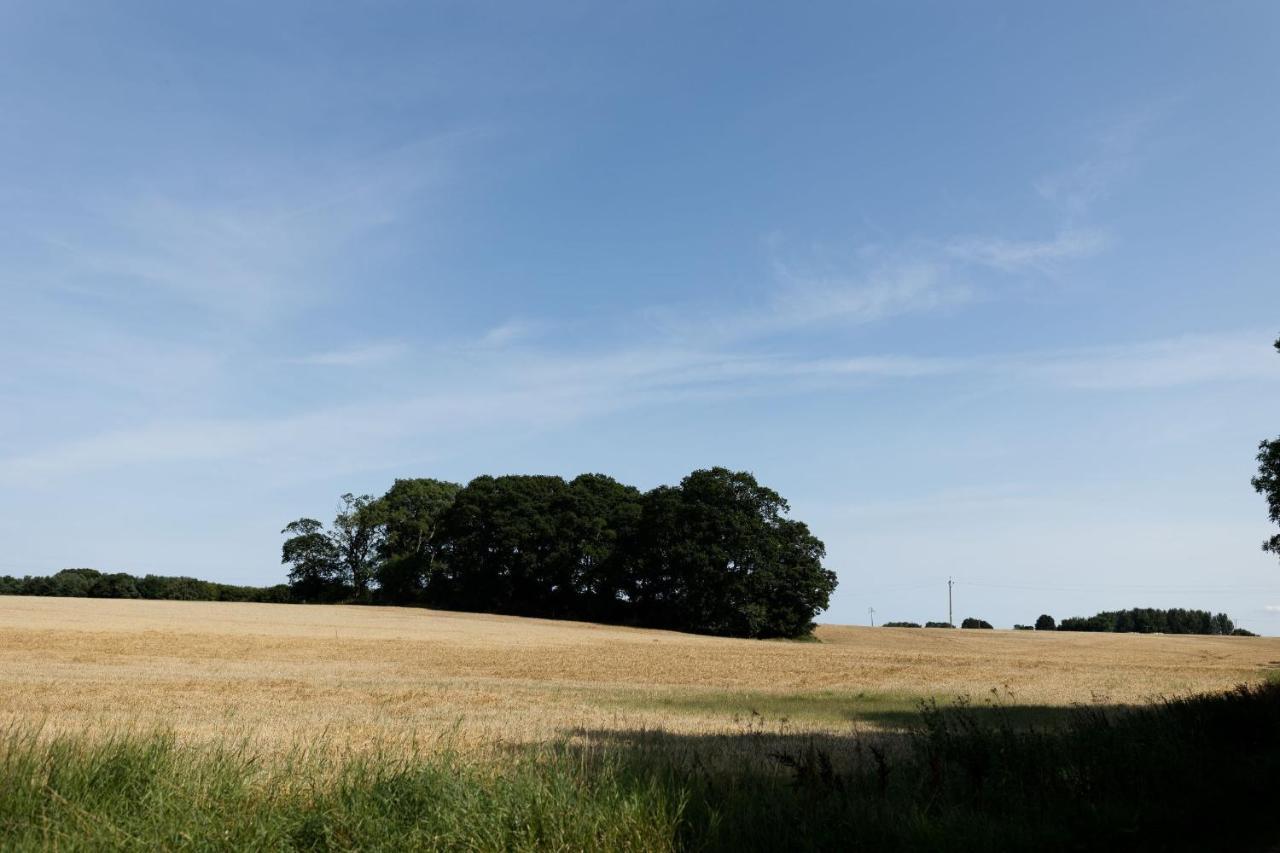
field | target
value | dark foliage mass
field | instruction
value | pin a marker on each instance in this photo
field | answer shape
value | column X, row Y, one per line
column 1046, row 623
column 90, row 583
column 715, row 554
column 1148, row 620
column 1267, row 483
column 975, row 623
column 901, row 625
column 938, row 625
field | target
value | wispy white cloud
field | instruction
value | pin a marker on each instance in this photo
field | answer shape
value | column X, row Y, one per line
column 1077, row 188
column 887, row 291
column 801, row 301
column 357, row 356
column 878, row 367
column 1012, row 255
column 537, row 391
column 879, row 284
column 510, row 332
column 981, row 500
column 248, row 255
column 326, row 439
column 1185, row 360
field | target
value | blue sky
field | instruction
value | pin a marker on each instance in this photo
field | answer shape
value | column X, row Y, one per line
column 985, row 290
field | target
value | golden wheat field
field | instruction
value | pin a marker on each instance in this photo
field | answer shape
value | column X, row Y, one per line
column 280, row 673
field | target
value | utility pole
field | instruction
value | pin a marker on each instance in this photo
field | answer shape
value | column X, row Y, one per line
column 950, row 619
column 871, row 611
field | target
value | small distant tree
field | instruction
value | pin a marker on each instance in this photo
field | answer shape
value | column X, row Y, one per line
column 938, row 625
column 1267, row 483
column 975, row 623
column 901, row 625
column 1046, row 623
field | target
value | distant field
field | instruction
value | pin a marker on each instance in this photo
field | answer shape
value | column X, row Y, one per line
column 280, row 674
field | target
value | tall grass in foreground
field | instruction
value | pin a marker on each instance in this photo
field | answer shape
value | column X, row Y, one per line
column 147, row 793
column 1201, row 773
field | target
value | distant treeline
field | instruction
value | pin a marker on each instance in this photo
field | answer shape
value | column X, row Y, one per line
column 967, row 623
column 91, row 583
column 1149, row 620
column 1139, row 620
column 715, row 554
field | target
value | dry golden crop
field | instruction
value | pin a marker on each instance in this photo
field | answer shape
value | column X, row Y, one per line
column 284, row 673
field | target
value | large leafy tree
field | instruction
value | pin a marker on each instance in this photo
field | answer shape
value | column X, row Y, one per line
column 315, row 573
column 504, row 552
column 718, row 555
column 356, row 535
column 410, row 514
column 598, row 521
column 1267, row 483
column 536, row 545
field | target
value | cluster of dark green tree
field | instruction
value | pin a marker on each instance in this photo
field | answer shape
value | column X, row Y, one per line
column 1149, row 620
column 91, row 583
column 715, row 554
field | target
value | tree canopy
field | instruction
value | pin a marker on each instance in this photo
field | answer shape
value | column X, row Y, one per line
column 716, row 554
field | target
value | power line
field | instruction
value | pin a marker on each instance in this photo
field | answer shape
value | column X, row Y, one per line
column 1077, row 588
column 1123, row 588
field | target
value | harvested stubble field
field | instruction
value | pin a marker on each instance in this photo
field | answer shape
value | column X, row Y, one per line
column 143, row 725
column 283, row 674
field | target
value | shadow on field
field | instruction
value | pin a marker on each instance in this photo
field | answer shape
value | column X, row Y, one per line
column 1197, row 773
column 1194, row 773
column 878, row 710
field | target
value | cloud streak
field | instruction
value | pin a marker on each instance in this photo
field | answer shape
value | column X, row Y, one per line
column 357, row 356
column 1078, row 188
column 247, row 257
column 1186, row 360
column 534, row 392
column 801, row 302
column 1013, row 255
